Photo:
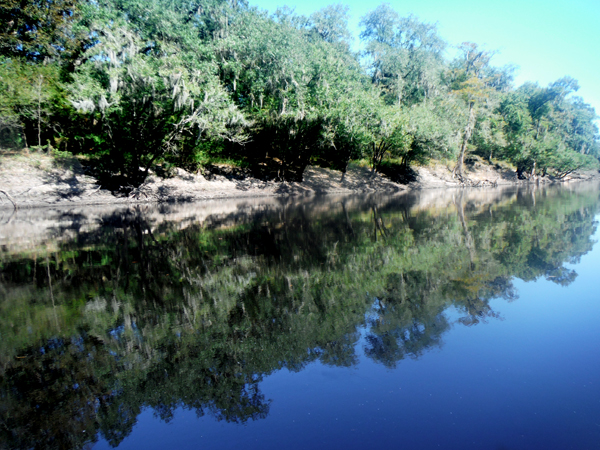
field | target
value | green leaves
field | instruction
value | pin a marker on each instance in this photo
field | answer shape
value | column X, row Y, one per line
column 137, row 82
column 30, row 94
column 149, row 98
column 545, row 129
column 331, row 24
column 404, row 54
column 38, row 30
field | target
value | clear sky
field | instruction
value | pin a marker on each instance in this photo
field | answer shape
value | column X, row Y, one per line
column 547, row 39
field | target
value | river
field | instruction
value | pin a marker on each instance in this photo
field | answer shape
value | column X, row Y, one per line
column 452, row 319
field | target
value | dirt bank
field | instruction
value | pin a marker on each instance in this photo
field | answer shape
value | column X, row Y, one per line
column 38, row 180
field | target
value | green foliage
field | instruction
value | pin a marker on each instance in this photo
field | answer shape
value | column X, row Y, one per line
column 145, row 96
column 38, row 30
column 473, row 80
column 405, row 55
column 31, row 98
column 134, row 83
column 543, row 129
column 331, row 24
column 431, row 127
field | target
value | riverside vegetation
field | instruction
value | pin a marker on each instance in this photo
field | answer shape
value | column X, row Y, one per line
column 131, row 86
column 136, row 314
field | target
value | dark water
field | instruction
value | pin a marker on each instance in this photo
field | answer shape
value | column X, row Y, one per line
column 452, row 320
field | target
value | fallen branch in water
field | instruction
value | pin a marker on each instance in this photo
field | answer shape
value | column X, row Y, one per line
column 94, row 191
column 468, row 182
column 10, row 198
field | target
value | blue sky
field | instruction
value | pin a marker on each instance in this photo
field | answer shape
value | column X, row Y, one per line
column 546, row 39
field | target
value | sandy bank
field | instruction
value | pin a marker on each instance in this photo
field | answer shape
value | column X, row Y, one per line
column 38, row 180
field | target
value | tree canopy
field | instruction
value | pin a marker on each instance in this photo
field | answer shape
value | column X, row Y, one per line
column 132, row 84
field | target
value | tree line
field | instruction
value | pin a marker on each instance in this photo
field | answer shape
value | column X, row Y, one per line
column 132, row 84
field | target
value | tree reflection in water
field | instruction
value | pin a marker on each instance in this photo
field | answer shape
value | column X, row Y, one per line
column 136, row 314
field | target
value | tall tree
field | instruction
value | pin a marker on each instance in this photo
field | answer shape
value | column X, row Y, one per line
column 405, row 55
column 331, row 24
column 472, row 82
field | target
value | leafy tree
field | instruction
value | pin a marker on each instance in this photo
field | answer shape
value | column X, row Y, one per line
column 146, row 97
column 388, row 136
column 331, row 24
column 431, row 127
column 301, row 89
column 404, row 54
column 472, row 81
column 135, row 83
column 580, row 127
column 544, row 131
column 30, row 95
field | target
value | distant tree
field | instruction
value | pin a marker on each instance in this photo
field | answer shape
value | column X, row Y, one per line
column 29, row 97
column 331, row 24
column 547, row 130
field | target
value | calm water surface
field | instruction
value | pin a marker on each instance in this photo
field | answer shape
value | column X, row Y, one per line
column 452, row 320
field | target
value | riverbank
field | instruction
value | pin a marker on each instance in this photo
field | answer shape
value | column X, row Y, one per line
column 39, row 180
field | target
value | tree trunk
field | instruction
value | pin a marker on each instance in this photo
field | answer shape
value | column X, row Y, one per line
column 459, row 169
column 399, row 91
column 39, row 111
column 373, row 160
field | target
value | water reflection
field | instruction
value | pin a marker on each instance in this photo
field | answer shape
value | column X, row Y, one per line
column 105, row 313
